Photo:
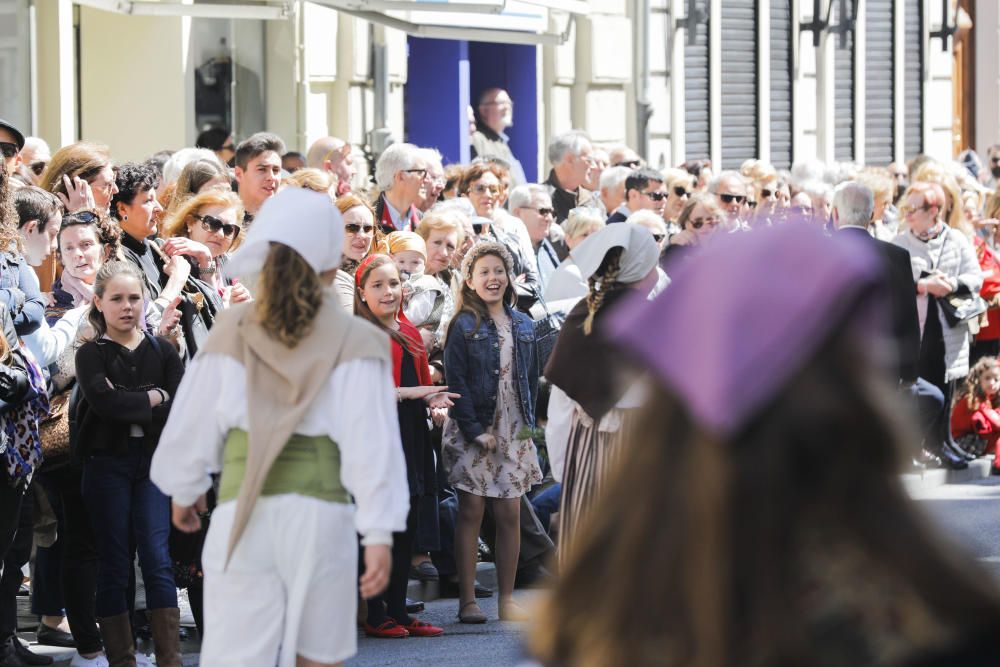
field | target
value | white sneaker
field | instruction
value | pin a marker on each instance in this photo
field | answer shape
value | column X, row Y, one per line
column 80, row 661
column 142, row 660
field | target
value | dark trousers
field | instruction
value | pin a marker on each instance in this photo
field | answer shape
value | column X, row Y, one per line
column 444, row 558
column 392, row 601
column 932, row 369
column 16, row 556
column 122, row 501
column 46, row 576
column 66, row 572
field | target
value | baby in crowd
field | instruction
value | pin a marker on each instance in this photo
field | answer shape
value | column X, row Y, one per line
column 420, row 291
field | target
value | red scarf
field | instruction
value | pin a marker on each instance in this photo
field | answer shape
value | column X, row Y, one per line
column 417, row 349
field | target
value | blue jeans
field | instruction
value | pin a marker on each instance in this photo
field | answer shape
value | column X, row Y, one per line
column 123, row 502
column 546, row 504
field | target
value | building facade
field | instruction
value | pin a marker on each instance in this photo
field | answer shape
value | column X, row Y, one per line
column 784, row 80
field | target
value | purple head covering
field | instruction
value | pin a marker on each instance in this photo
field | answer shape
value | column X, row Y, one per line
column 736, row 324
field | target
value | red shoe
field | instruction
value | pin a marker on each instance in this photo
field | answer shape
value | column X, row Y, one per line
column 387, row 630
column 418, row 628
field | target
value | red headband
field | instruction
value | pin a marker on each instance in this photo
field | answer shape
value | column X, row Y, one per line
column 361, row 268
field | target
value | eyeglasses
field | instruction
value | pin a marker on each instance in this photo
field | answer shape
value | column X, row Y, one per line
column 729, row 199
column 486, row 189
column 631, row 164
column 681, row 192
column 212, row 224
column 656, row 195
column 659, row 237
column 422, row 172
column 355, row 229
column 8, row 149
column 701, row 222
column 541, row 211
column 38, row 167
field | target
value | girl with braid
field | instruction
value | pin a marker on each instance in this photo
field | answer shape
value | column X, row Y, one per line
column 587, row 409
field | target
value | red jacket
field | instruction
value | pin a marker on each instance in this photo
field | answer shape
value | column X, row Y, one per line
column 984, row 422
column 416, row 347
column 990, row 265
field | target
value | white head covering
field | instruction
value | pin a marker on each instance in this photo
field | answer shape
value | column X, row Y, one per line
column 305, row 221
column 640, row 256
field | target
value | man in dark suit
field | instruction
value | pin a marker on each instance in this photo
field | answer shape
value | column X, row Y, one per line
column 853, row 205
column 644, row 189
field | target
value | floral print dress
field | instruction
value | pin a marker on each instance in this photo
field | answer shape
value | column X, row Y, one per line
column 512, row 468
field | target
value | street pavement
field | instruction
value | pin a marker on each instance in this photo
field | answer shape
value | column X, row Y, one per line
column 969, row 515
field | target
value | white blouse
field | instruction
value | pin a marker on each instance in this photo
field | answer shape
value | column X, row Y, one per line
column 356, row 409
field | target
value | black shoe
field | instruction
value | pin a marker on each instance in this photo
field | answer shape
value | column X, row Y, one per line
column 414, row 606
column 953, row 462
column 531, row 575
column 424, row 572
column 994, row 470
column 47, row 636
column 21, row 653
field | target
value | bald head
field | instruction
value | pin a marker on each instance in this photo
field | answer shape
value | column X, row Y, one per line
column 321, row 149
column 35, row 156
column 334, row 156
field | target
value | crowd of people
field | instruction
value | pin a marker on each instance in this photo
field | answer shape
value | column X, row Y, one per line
column 264, row 377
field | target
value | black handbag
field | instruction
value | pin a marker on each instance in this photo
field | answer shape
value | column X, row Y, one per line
column 546, row 334
column 961, row 306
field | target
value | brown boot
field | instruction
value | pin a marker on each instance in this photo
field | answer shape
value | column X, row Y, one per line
column 116, row 632
column 166, row 625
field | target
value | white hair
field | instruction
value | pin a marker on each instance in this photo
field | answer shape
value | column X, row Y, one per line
column 523, row 195
column 816, row 189
column 614, row 177
column 393, row 159
column 648, row 219
column 854, row 204
column 460, row 205
column 567, row 143
column 182, row 158
column 431, row 156
column 714, row 184
column 582, row 218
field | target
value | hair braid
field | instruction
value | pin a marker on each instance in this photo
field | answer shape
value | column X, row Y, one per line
column 603, row 281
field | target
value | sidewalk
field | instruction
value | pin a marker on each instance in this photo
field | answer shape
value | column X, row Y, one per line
column 929, row 479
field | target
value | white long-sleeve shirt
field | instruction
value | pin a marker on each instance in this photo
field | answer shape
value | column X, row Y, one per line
column 356, row 409
column 47, row 343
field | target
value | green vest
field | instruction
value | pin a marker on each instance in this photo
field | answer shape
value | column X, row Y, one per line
column 308, row 465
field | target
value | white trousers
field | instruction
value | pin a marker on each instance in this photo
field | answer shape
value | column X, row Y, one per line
column 290, row 587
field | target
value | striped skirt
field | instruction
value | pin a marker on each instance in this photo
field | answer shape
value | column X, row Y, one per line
column 591, row 451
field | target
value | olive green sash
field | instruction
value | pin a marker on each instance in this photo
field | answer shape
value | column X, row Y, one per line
column 308, row 466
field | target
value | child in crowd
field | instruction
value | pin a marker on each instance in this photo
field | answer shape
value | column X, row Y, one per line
column 975, row 421
column 378, row 297
column 420, row 291
column 127, row 378
column 491, row 361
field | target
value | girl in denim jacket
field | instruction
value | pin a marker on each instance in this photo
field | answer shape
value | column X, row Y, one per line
column 491, row 362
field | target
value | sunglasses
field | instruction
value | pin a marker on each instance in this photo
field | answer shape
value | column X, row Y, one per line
column 994, row 160
column 633, row 164
column 484, row 189
column 656, row 196
column 355, row 229
column 701, row 222
column 542, row 211
column 681, row 192
column 212, row 224
column 729, row 199
column 659, row 237
column 8, row 149
column 766, row 194
column 38, row 167
column 84, row 217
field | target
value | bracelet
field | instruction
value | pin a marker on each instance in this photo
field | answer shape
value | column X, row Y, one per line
column 163, row 395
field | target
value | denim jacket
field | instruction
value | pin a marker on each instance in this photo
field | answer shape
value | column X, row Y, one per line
column 472, row 369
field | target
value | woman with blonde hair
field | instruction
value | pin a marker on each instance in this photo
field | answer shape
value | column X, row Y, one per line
column 361, row 236
column 195, row 177
column 295, row 453
column 442, row 233
column 206, row 228
column 313, row 179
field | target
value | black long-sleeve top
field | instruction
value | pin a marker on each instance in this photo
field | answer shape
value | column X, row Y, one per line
column 109, row 412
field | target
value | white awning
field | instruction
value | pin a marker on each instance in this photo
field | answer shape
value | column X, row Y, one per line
column 503, row 21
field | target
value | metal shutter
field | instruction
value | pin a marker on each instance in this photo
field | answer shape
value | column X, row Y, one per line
column 739, row 85
column 879, row 101
column 913, row 74
column 781, row 84
column 843, row 89
column 696, row 135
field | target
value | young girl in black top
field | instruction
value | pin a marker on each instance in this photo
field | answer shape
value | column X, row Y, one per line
column 127, row 378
